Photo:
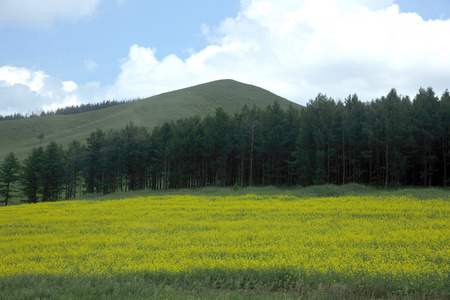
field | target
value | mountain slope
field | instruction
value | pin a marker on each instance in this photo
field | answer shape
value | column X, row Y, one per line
column 21, row 136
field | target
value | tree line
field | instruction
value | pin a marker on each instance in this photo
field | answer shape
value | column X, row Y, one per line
column 69, row 110
column 390, row 141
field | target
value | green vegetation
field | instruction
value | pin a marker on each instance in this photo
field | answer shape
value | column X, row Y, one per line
column 20, row 136
column 129, row 286
column 9, row 174
column 388, row 142
column 141, row 286
column 249, row 246
column 230, row 139
column 326, row 190
column 329, row 190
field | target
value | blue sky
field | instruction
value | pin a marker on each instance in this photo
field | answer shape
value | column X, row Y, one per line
column 62, row 48
column 65, row 52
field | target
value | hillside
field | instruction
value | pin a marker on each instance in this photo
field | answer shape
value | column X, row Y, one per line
column 21, row 136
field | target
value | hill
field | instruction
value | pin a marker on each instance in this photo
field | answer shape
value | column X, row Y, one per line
column 21, row 136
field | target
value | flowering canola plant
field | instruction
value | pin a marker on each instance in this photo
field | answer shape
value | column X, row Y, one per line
column 399, row 241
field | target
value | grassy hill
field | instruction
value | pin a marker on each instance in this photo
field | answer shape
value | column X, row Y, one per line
column 20, row 136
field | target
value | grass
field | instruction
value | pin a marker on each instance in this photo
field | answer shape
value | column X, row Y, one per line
column 350, row 189
column 242, row 247
column 140, row 286
column 21, row 136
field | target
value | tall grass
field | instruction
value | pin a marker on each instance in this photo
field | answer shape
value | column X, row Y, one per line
column 350, row 189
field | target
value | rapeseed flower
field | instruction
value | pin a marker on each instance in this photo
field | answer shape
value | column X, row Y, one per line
column 400, row 240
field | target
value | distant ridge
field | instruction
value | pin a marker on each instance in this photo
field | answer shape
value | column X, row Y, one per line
column 68, row 110
column 20, row 136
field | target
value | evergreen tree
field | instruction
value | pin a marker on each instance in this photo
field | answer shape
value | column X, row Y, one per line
column 160, row 159
column 273, row 145
column 9, row 174
column 113, row 161
column 31, row 178
column 354, row 139
column 389, row 141
column 217, row 145
column 427, row 115
column 186, row 153
column 53, row 172
column 445, row 136
column 246, row 125
column 93, row 164
column 74, row 162
column 316, row 145
column 135, row 148
column 391, row 136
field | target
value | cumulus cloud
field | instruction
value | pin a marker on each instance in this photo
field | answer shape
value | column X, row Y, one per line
column 44, row 13
column 295, row 48
column 23, row 90
column 300, row 48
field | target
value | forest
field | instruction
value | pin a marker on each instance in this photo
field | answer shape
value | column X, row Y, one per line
column 391, row 141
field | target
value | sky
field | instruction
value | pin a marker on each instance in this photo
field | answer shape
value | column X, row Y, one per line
column 57, row 53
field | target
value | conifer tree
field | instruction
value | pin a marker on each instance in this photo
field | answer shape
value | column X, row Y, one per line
column 426, row 118
column 445, row 136
column 31, row 177
column 9, row 174
column 53, row 172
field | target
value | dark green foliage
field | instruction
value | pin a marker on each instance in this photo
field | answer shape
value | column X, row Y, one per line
column 186, row 149
column 94, row 162
column 133, row 145
column 74, row 157
column 32, row 175
column 391, row 141
column 53, row 171
column 247, row 126
column 444, row 130
column 160, row 166
column 427, row 114
column 217, row 142
column 9, row 174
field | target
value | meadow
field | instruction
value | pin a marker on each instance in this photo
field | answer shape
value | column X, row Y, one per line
column 227, row 247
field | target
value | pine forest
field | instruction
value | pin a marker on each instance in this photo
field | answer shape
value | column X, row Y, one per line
column 390, row 141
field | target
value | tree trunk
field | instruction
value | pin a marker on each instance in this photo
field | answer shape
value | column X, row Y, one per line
column 343, row 155
column 242, row 165
column 251, row 155
column 387, row 165
column 444, row 158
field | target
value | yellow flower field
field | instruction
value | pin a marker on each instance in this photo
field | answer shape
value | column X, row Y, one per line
column 396, row 241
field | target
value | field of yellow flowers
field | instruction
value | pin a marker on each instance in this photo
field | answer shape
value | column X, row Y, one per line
column 401, row 243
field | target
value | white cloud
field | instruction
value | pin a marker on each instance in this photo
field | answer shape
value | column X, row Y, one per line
column 295, row 48
column 24, row 91
column 69, row 86
column 44, row 13
column 300, row 48
column 12, row 75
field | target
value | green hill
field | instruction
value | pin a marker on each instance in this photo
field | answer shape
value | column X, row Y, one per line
column 20, row 136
